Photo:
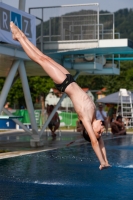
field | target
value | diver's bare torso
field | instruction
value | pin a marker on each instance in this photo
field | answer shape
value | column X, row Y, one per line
column 83, row 104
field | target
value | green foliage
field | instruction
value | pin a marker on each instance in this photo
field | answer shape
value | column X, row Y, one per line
column 38, row 86
column 1, row 83
column 16, row 93
column 113, row 83
column 123, row 23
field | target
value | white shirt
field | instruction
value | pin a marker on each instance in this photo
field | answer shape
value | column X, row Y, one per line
column 99, row 116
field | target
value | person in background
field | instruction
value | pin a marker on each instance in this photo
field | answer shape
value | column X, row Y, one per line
column 54, row 124
column 7, row 106
column 37, row 104
column 101, row 115
column 118, row 127
column 111, row 113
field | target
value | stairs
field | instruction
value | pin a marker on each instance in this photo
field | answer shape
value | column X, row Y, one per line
column 125, row 107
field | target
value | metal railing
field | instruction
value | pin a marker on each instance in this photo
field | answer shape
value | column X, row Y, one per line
column 58, row 21
column 70, row 24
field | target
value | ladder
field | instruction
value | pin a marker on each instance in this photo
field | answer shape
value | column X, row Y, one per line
column 125, row 107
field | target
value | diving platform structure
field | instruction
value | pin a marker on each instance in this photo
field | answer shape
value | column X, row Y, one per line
column 74, row 37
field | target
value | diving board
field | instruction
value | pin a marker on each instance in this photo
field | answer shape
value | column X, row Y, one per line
column 109, row 46
column 10, row 117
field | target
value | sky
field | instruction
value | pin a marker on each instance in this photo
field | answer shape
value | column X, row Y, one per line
column 112, row 5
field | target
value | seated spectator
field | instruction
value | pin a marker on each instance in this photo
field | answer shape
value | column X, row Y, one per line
column 37, row 104
column 101, row 115
column 7, row 106
column 118, row 127
column 55, row 121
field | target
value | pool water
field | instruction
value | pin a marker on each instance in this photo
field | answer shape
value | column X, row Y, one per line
column 70, row 173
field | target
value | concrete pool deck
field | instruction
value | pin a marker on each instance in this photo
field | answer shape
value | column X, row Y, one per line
column 16, row 143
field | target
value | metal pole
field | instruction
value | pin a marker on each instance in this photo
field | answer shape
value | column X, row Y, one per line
column 28, row 97
column 50, row 28
column 81, row 33
column 22, row 5
column 62, row 37
column 42, row 32
column 113, row 25
column 102, row 30
column 55, row 109
column 41, row 35
column 98, row 24
column 8, row 83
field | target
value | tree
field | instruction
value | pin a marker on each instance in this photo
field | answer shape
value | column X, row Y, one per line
column 38, row 85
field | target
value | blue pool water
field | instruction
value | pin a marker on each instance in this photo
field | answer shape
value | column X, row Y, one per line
column 70, row 173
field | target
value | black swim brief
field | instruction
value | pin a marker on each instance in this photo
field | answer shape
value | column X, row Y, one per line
column 86, row 136
column 69, row 79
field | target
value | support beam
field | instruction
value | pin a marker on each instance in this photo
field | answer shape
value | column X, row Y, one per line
column 121, row 59
column 8, row 83
column 28, row 99
column 17, row 121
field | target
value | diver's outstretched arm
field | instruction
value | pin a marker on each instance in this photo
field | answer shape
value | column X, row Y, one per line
column 103, row 150
column 94, row 142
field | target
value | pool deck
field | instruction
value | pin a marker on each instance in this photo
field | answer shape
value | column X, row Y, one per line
column 17, row 143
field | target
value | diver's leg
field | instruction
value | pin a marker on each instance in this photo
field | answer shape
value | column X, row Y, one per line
column 41, row 54
column 47, row 63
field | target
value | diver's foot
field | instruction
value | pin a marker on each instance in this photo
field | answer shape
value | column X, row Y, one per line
column 22, row 34
column 53, row 135
column 16, row 35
